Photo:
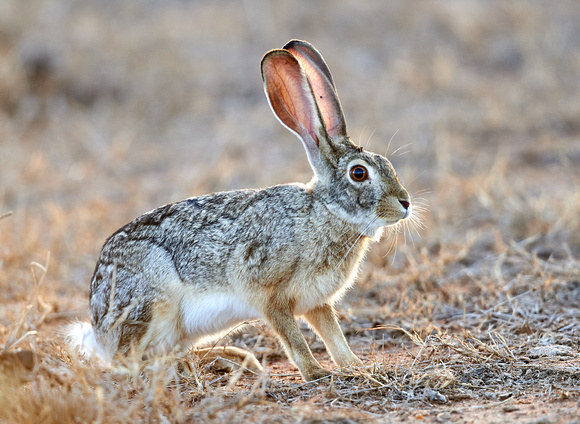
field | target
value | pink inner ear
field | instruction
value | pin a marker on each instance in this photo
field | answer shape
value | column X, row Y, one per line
column 320, row 79
column 326, row 99
column 290, row 96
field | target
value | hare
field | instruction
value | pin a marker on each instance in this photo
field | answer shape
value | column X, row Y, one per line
column 188, row 272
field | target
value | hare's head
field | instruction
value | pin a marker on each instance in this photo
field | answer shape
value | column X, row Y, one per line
column 360, row 187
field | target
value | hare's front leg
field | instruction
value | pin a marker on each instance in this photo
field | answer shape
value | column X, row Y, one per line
column 323, row 320
column 283, row 323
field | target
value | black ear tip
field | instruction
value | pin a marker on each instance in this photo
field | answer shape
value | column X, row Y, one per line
column 295, row 42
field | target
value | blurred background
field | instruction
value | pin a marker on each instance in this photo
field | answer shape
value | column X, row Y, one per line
column 112, row 108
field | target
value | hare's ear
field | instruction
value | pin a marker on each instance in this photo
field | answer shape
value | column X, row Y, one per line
column 323, row 86
column 292, row 101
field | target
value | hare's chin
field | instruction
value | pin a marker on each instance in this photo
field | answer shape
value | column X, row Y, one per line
column 382, row 222
column 375, row 231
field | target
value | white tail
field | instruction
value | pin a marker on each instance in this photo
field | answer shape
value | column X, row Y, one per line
column 80, row 338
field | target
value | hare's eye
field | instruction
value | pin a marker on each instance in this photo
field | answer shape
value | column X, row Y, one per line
column 359, row 173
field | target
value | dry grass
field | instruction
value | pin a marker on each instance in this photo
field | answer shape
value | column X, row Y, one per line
column 108, row 109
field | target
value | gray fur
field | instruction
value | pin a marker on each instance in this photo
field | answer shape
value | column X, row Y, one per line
column 293, row 243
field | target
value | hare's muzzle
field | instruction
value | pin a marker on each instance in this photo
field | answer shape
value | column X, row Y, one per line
column 407, row 206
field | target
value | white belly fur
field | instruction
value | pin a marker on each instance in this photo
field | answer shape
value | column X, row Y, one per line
column 206, row 316
column 189, row 314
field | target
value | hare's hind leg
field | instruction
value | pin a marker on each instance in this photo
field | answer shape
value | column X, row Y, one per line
column 323, row 320
column 228, row 358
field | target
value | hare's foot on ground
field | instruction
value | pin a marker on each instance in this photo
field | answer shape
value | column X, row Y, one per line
column 228, row 358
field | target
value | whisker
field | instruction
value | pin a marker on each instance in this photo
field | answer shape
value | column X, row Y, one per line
column 370, row 137
column 389, row 144
column 421, row 206
column 419, row 211
column 394, row 230
column 361, row 136
column 404, row 153
column 417, row 221
column 406, row 234
column 404, row 146
column 410, row 227
column 368, row 143
column 416, row 178
column 414, row 225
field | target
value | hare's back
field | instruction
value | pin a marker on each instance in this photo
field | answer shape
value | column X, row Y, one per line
column 200, row 234
column 190, row 232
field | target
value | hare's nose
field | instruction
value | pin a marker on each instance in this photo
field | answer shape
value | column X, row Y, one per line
column 404, row 203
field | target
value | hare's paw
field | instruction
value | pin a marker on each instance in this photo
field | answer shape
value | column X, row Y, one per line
column 314, row 374
column 228, row 358
column 350, row 362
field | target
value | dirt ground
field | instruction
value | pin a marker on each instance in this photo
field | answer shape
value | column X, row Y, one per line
column 110, row 109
